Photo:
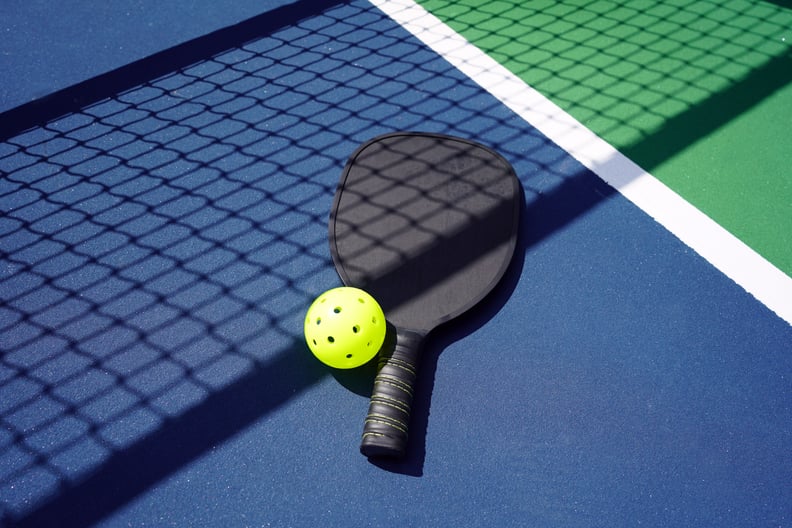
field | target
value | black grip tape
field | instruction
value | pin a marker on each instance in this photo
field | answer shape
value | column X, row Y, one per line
column 385, row 430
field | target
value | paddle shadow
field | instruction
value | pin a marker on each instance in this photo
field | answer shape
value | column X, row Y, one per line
column 541, row 215
column 438, row 340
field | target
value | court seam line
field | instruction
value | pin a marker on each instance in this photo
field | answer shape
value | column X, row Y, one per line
column 755, row 274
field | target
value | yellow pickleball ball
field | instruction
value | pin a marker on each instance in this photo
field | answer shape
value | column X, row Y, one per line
column 345, row 327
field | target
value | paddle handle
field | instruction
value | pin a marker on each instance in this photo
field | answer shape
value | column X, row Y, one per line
column 387, row 423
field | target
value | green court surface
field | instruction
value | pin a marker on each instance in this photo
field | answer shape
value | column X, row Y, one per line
column 698, row 93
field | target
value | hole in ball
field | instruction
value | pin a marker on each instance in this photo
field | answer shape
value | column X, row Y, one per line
column 361, row 300
column 349, row 356
column 318, row 320
column 356, row 329
column 337, row 309
column 330, row 339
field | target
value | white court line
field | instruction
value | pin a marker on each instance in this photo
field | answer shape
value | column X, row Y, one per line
column 722, row 249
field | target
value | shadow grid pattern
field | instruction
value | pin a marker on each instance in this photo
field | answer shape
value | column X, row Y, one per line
column 160, row 244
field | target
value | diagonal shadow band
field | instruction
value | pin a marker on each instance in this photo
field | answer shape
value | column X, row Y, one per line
column 73, row 98
column 681, row 131
column 782, row 3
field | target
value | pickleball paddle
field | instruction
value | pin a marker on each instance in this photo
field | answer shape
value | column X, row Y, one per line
column 427, row 224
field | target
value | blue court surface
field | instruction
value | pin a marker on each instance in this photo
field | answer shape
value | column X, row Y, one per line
column 164, row 230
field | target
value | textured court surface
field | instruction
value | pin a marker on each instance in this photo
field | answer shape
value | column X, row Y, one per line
column 164, row 229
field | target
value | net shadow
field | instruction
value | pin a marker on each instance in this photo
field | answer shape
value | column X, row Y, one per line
column 650, row 79
column 153, row 272
column 163, row 234
column 679, row 89
column 165, row 225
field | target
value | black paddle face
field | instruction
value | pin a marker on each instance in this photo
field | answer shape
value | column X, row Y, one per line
column 427, row 224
